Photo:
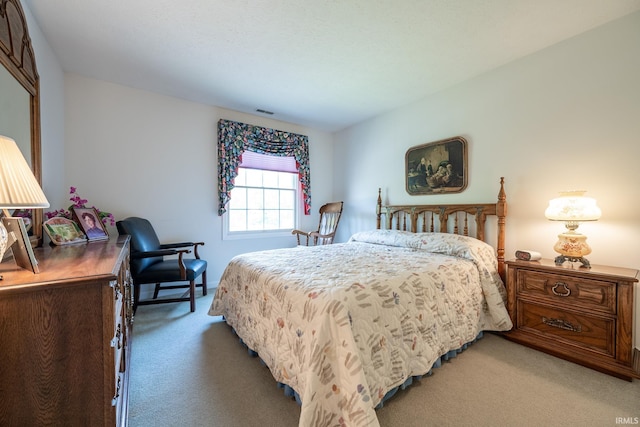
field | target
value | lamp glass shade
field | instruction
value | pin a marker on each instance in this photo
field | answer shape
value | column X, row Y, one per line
column 573, row 206
column 19, row 188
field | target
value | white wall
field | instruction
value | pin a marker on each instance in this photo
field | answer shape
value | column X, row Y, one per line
column 137, row 153
column 567, row 117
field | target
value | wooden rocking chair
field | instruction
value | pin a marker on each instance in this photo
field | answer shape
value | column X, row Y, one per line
column 329, row 219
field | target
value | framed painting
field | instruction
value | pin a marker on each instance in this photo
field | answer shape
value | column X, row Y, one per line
column 438, row 167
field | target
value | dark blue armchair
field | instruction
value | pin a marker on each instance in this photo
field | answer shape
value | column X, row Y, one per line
column 149, row 265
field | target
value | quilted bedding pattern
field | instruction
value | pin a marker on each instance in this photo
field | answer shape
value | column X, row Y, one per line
column 343, row 324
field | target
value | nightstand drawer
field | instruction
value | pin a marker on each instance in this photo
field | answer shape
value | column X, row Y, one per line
column 589, row 332
column 596, row 295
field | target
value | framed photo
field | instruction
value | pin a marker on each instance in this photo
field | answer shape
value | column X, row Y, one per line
column 63, row 231
column 21, row 248
column 89, row 220
column 438, row 167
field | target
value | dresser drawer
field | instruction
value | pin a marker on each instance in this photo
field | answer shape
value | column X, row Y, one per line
column 589, row 332
column 592, row 295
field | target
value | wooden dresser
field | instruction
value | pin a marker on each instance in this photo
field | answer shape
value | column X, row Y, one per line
column 582, row 315
column 65, row 337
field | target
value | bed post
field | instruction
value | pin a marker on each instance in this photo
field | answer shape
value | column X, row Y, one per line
column 501, row 212
column 379, row 209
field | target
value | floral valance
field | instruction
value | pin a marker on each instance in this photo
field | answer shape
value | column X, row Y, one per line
column 234, row 138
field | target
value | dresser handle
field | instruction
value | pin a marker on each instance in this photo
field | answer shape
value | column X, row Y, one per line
column 116, row 339
column 114, row 401
column 566, row 292
column 116, row 289
column 562, row 324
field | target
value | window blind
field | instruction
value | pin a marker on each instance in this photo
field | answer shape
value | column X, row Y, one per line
column 253, row 160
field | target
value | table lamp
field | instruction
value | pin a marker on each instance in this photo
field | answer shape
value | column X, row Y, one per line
column 19, row 189
column 572, row 207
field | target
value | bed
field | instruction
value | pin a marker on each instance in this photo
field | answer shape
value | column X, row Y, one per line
column 345, row 325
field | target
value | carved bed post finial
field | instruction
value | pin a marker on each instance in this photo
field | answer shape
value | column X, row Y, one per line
column 501, row 212
column 379, row 208
column 502, row 196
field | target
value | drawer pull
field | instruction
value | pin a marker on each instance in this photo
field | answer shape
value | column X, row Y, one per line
column 116, row 289
column 116, row 397
column 562, row 324
column 566, row 291
column 116, row 339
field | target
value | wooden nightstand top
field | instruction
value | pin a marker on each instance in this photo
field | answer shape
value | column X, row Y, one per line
column 627, row 274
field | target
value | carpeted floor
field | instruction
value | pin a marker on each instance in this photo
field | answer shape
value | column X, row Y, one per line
column 188, row 369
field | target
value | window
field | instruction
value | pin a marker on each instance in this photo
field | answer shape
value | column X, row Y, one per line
column 264, row 198
column 238, row 140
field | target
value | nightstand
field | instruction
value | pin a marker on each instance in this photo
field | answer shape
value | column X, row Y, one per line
column 579, row 314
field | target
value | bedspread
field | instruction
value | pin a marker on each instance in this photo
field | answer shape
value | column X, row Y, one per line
column 343, row 324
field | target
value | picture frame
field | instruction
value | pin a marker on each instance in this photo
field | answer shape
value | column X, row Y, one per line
column 21, row 249
column 438, row 167
column 91, row 224
column 63, row 231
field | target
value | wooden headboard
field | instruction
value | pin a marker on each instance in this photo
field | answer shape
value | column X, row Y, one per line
column 449, row 219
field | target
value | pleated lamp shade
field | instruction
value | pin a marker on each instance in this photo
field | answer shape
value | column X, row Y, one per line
column 19, row 188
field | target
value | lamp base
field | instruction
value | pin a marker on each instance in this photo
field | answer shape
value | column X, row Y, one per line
column 572, row 247
column 560, row 259
column 6, row 240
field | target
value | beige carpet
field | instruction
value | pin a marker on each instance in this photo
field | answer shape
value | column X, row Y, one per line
column 188, row 369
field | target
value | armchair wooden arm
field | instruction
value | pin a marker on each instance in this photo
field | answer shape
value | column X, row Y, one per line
column 184, row 245
column 299, row 233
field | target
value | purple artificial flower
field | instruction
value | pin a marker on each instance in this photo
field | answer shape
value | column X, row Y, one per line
column 78, row 202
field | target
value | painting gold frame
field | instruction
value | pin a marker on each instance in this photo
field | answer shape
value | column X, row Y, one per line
column 438, row 167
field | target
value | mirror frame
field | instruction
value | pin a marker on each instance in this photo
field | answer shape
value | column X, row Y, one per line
column 17, row 56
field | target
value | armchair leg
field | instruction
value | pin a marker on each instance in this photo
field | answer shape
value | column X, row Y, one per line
column 192, row 295
column 136, row 297
column 191, row 298
column 204, row 283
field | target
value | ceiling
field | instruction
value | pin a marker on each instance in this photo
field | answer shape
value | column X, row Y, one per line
column 326, row 64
